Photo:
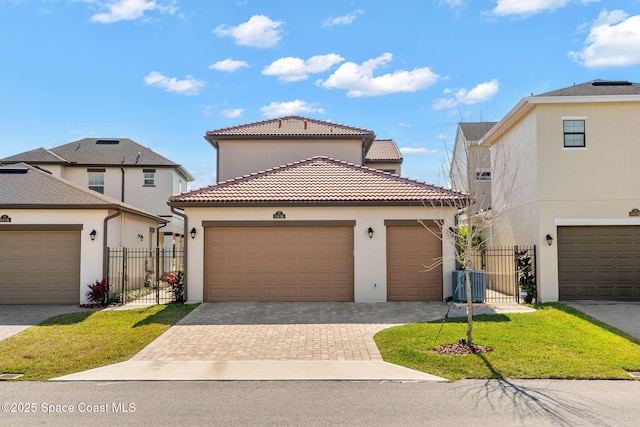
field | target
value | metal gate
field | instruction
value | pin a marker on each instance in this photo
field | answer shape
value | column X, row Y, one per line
column 145, row 276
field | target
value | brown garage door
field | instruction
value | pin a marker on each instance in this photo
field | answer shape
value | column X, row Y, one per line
column 293, row 263
column 39, row 267
column 410, row 249
column 599, row 262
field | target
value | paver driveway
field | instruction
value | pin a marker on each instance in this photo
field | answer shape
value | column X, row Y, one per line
column 285, row 331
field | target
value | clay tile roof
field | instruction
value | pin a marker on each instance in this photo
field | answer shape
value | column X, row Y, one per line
column 384, row 150
column 24, row 186
column 597, row 87
column 290, row 126
column 319, row 180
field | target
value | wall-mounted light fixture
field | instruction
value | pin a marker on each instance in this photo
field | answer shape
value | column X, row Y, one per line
column 193, row 233
column 93, row 235
column 370, row 232
column 549, row 239
column 141, row 237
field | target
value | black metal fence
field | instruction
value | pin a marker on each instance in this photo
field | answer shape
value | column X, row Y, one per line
column 145, row 276
column 507, row 271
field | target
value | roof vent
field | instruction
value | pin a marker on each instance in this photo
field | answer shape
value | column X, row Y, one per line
column 13, row 169
column 305, row 124
column 611, row 83
column 108, row 142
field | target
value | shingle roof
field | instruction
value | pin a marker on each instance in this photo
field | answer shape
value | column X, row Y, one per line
column 23, row 186
column 288, row 127
column 97, row 152
column 597, row 87
column 474, row 131
column 39, row 155
column 384, row 150
column 320, row 181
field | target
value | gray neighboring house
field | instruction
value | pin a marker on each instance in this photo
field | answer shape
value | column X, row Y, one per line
column 470, row 168
column 122, row 169
column 54, row 235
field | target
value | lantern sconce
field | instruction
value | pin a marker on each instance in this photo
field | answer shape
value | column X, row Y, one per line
column 549, row 239
column 193, row 233
column 140, row 237
column 370, row 232
column 93, row 235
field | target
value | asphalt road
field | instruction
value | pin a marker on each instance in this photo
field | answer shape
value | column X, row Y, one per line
column 322, row 403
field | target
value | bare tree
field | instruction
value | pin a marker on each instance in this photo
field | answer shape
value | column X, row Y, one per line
column 471, row 173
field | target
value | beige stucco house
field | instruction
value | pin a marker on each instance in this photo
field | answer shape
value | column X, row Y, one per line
column 566, row 166
column 470, row 166
column 54, row 234
column 121, row 169
column 291, row 220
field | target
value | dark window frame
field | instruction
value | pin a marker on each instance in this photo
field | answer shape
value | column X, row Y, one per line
column 571, row 135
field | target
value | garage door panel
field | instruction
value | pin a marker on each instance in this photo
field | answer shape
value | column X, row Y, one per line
column 279, row 264
column 40, row 267
column 599, row 262
column 410, row 250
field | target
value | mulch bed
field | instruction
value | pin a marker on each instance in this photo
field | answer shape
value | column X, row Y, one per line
column 461, row 349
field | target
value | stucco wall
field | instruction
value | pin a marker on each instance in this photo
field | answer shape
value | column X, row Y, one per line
column 238, row 158
column 369, row 254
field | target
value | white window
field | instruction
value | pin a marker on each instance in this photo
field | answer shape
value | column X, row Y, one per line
column 483, row 174
column 96, row 180
column 149, row 177
column 574, row 132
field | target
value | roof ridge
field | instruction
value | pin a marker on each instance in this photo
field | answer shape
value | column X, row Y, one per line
column 285, row 118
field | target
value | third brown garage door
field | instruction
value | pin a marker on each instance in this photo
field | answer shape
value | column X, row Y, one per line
column 273, row 263
column 410, row 249
column 599, row 262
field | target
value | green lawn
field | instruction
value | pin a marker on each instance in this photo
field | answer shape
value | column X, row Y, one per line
column 76, row 342
column 555, row 342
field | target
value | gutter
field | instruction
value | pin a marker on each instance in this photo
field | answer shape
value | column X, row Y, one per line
column 185, row 233
column 104, row 241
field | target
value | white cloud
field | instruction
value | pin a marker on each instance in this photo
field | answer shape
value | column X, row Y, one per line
column 531, row 7
column 188, row 86
column 359, row 80
column 229, row 65
column 259, row 31
column 232, row 114
column 420, row 151
column 291, row 69
column 296, row 107
column 128, row 10
column 480, row 93
column 613, row 41
column 451, row 3
column 342, row 20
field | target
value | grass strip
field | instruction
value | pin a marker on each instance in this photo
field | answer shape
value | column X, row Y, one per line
column 80, row 341
column 555, row 342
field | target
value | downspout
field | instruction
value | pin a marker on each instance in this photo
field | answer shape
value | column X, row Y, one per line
column 104, row 242
column 185, row 233
column 122, row 170
column 164, row 224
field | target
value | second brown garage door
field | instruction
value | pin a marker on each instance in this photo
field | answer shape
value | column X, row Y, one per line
column 293, row 263
column 599, row 262
column 411, row 249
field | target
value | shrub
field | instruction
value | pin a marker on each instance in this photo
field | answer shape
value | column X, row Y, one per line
column 98, row 292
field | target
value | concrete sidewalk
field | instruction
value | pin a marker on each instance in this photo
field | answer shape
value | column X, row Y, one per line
column 262, row 370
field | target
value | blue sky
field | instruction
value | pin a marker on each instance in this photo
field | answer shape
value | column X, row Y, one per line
column 163, row 72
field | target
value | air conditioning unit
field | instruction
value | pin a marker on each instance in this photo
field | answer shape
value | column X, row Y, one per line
column 478, row 286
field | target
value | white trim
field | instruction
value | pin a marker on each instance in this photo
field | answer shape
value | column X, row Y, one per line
column 596, row 221
column 575, row 149
column 582, row 99
column 574, row 118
